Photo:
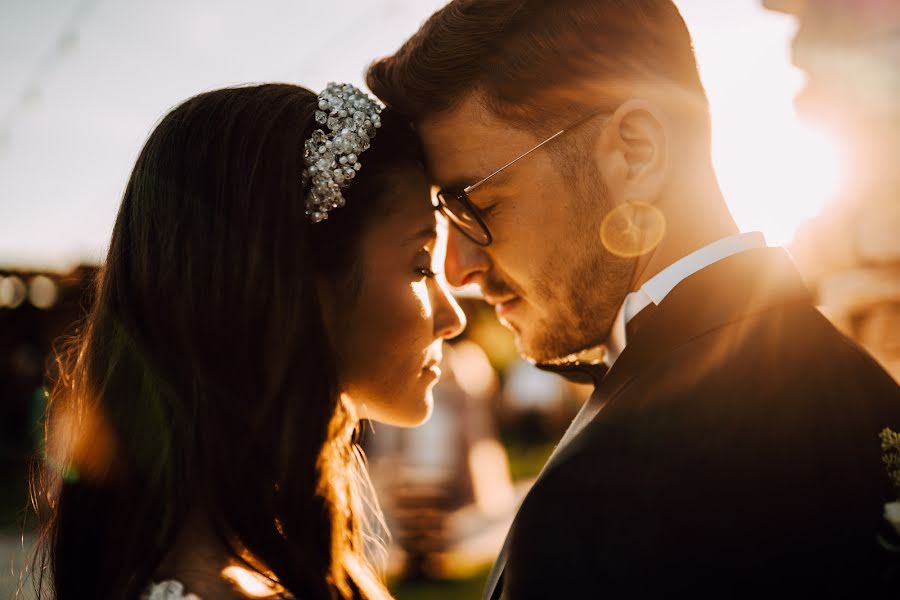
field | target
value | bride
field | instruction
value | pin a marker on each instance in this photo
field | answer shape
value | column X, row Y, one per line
column 270, row 282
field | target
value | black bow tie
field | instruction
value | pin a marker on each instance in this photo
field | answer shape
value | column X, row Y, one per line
column 590, row 373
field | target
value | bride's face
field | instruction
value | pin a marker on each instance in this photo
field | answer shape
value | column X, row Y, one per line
column 389, row 336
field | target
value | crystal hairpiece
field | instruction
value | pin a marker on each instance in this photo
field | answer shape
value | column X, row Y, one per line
column 332, row 159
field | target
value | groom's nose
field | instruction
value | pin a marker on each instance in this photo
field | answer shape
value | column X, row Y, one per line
column 465, row 260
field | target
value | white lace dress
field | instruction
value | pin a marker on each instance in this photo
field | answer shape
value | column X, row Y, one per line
column 167, row 590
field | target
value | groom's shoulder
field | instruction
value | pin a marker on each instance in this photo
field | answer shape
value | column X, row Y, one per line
column 769, row 407
column 765, row 381
column 775, row 405
column 783, row 355
column 675, row 493
column 729, row 453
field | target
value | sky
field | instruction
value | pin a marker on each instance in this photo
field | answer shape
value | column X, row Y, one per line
column 83, row 82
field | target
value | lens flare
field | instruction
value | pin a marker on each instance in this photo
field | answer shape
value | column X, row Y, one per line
column 632, row 229
column 80, row 444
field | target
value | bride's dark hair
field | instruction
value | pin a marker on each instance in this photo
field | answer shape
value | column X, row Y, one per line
column 202, row 373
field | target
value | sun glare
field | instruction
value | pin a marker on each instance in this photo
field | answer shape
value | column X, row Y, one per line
column 776, row 171
column 775, row 180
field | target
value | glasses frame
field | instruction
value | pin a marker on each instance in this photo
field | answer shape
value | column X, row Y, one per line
column 462, row 195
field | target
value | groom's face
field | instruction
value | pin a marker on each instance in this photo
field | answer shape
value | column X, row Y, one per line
column 545, row 272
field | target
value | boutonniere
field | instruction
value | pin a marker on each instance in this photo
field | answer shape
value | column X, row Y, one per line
column 890, row 455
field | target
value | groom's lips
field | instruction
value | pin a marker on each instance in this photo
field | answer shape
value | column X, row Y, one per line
column 503, row 306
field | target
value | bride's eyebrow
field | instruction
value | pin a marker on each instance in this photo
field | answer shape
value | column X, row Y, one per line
column 427, row 233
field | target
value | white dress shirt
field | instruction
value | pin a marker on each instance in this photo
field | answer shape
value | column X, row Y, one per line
column 658, row 287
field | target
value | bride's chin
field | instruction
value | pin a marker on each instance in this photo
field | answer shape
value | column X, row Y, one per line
column 398, row 410
column 413, row 413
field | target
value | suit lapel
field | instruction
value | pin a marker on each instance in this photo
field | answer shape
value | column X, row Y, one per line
column 580, row 373
column 733, row 288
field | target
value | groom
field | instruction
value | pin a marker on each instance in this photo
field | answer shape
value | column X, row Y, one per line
column 732, row 447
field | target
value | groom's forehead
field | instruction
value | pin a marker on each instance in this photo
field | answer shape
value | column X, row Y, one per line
column 466, row 143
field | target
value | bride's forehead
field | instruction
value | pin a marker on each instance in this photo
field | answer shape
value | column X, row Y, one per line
column 404, row 217
column 413, row 222
column 405, row 190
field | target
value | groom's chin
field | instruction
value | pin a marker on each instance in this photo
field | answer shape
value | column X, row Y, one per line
column 545, row 347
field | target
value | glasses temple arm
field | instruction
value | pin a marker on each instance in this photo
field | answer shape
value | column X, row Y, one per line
column 548, row 140
column 517, row 159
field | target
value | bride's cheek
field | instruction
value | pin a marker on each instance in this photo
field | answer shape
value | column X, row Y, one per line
column 421, row 299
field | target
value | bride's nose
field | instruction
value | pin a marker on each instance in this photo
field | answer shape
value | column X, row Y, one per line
column 449, row 318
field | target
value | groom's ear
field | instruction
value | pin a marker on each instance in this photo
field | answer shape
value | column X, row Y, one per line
column 633, row 152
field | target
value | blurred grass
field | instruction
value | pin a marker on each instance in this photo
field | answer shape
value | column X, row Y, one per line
column 14, row 505
column 466, row 588
column 526, row 461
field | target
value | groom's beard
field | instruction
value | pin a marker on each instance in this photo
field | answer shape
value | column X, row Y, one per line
column 584, row 308
column 569, row 308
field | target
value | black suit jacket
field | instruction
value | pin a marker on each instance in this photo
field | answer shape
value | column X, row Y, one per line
column 736, row 455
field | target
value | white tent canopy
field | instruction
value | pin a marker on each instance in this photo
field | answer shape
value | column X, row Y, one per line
column 84, row 81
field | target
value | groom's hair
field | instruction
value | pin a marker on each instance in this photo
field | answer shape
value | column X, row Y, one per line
column 515, row 53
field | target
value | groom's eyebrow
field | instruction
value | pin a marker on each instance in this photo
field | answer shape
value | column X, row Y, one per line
column 460, row 183
column 457, row 183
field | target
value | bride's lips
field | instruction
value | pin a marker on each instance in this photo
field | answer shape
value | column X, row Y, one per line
column 433, row 367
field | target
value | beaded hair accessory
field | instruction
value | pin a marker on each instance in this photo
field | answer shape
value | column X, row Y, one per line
column 332, row 159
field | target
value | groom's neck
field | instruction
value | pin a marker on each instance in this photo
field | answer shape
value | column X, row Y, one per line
column 696, row 215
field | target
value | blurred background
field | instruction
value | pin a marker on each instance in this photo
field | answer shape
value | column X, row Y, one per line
column 806, row 120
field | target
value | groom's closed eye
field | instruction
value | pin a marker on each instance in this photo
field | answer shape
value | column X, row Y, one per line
column 486, row 200
column 490, row 208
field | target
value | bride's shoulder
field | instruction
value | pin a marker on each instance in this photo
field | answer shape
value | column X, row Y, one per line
column 169, row 589
column 192, row 589
column 199, row 567
column 206, row 589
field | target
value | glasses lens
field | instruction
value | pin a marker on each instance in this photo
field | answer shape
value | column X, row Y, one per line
column 462, row 214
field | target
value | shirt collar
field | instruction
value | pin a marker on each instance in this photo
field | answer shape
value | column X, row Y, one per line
column 658, row 287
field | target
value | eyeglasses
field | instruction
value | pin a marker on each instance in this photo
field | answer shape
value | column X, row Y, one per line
column 458, row 208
